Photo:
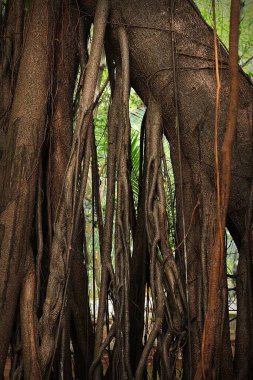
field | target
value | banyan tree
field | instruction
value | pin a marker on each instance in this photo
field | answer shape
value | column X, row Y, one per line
column 165, row 247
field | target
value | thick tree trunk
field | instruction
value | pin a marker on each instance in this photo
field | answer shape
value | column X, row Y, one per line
column 152, row 71
column 29, row 322
column 211, row 350
column 76, row 321
column 64, row 82
column 11, row 39
column 70, row 206
column 60, row 140
column 171, row 68
column 19, row 163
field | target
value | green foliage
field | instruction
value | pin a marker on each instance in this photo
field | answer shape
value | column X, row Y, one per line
column 134, row 100
column 223, row 19
column 137, row 109
column 136, row 112
column 136, row 116
column 246, row 37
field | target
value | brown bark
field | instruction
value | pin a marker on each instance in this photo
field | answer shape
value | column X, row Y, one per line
column 61, row 133
column 174, row 72
column 62, row 129
column 29, row 323
column 20, row 163
column 11, row 35
column 62, row 120
column 157, row 325
column 151, row 71
column 69, row 207
column 106, row 274
column 211, row 352
column 121, row 352
column 82, row 334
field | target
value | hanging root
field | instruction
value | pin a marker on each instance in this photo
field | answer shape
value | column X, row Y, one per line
column 70, row 200
column 139, row 265
column 157, row 328
column 96, row 184
column 161, row 257
column 39, row 237
column 103, row 346
column 29, row 322
column 107, row 272
column 122, row 229
column 212, row 335
column 117, row 163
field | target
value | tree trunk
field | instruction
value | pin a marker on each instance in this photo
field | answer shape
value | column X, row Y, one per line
column 43, row 254
column 26, row 133
column 151, row 48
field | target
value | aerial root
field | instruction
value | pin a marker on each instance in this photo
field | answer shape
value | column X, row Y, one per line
column 166, row 286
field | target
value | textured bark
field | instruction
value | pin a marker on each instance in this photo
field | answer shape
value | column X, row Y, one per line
column 82, row 334
column 61, row 135
column 19, row 163
column 62, row 121
column 211, row 351
column 29, row 323
column 61, row 132
column 11, row 39
column 171, row 67
column 152, row 71
column 71, row 201
column 114, row 121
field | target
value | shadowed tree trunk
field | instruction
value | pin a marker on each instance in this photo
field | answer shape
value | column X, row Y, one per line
column 24, row 139
column 11, row 45
column 76, row 314
column 151, row 42
column 215, row 328
column 165, row 51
